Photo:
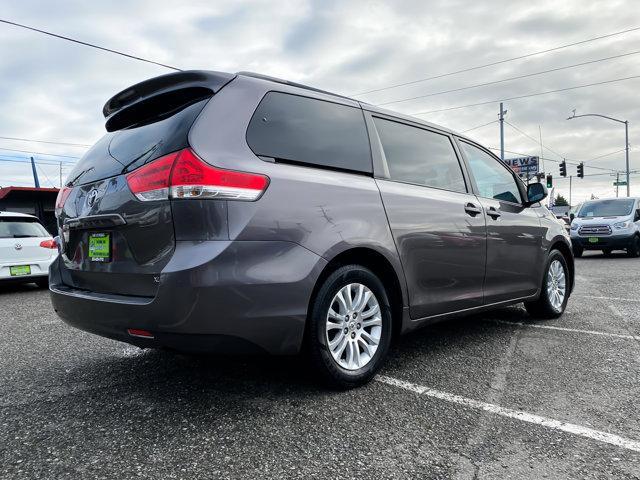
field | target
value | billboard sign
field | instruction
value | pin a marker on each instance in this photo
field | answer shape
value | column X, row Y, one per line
column 526, row 166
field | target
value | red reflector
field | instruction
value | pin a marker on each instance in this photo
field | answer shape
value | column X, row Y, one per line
column 135, row 332
column 63, row 193
column 49, row 244
column 183, row 175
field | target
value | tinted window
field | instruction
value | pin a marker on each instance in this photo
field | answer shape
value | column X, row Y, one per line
column 419, row 156
column 306, row 130
column 493, row 178
column 21, row 228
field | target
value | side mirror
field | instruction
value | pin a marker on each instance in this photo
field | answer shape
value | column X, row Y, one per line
column 536, row 192
column 637, row 216
column 572, row 216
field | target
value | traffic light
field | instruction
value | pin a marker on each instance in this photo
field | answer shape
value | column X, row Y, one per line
column 563, row 168
column 549, row 181
column 581, row 170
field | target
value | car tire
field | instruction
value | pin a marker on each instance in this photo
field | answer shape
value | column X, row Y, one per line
column 548, row 306
column 633, row 250
column 342, row 350
column 42, row 282
column 578, row 251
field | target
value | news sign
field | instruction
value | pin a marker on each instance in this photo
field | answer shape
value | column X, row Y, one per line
column 523, row 165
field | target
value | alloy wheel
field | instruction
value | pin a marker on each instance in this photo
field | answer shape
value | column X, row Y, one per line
column 556, row 285
column 353, row 326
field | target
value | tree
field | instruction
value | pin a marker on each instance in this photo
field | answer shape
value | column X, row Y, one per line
column 561, row 201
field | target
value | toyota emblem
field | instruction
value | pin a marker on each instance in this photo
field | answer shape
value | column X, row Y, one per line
column 91, row 197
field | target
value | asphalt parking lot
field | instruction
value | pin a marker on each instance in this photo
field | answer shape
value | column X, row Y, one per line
column 491, row 396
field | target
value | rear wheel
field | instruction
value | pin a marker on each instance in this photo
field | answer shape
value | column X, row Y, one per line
column 349, row 327
column 634, row 249
column 555, row 289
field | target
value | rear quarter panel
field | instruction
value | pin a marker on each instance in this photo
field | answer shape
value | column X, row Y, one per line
column 325, row 211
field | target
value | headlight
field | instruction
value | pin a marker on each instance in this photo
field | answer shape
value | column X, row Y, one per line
column 621, row 225
column 574, row 226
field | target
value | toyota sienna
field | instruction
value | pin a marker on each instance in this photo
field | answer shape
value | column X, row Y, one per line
column 243, row 213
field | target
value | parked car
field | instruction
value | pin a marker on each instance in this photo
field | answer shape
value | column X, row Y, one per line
column 26, row 249
column 240, row 213
column 607, row 225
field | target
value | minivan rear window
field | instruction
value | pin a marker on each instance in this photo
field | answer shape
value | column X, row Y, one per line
column 309, row 131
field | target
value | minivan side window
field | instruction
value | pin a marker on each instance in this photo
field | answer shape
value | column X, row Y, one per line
column 493, row 178
column 419, row 156
column 310, row 131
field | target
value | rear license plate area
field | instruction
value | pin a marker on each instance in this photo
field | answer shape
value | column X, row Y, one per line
column 20, row 270
column 99, row 247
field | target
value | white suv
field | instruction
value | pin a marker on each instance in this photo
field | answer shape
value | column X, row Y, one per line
column 26, row 249
column 609, row 224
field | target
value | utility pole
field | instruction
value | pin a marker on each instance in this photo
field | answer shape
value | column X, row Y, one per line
column 501, row 116
column 36, row 182
column 617, row 181
column 541, row 148
column 60, row 174
column 570, row 182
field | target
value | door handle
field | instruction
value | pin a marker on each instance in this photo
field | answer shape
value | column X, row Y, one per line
column 471, row 209
column 493, row 213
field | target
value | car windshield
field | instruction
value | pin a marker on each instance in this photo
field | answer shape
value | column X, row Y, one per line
column 21, row 228
column 607, row 208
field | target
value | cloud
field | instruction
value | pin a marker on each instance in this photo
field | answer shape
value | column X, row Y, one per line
column 52, row 89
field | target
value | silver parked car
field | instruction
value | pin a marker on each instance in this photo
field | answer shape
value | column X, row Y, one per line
column 242, row 213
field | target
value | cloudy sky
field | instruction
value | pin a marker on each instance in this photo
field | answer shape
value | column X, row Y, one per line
column 54, row 90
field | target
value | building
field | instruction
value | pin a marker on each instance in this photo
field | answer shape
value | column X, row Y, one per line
column 35, row 201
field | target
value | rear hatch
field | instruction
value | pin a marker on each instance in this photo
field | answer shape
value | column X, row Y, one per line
column 111, row 240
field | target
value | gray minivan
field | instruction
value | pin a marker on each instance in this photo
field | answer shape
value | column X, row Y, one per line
column 242, row 213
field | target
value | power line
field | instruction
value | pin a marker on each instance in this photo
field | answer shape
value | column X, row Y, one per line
column 537, row 94
column 26, row 160
column 45, row 141
column 87, row 44
column 477, row 85
column 45, row 175
column 555, row 160
column 479, row 126
column 535, row 140
column 500, row 61
column 38, row 153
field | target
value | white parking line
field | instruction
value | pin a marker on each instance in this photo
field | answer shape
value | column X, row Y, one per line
column 619, row 299
column 573, row 330
column 574, row 429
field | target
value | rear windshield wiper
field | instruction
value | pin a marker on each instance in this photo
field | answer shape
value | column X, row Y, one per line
column 77, row 177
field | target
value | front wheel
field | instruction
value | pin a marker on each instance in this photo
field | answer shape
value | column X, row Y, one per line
column 350, row 327
column 555, row 289
column 634, row 249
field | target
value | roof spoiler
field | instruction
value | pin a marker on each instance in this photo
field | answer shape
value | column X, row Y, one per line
column 166, row 92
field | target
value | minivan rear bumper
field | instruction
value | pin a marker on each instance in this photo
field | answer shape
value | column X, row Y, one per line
column 213, row 297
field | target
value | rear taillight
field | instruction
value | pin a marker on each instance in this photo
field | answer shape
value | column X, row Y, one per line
column 63, row 194
column 49, row 244
column 183, row 175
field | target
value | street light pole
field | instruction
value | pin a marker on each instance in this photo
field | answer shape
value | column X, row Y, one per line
column 626, row 139
column 626, row 153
